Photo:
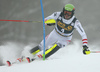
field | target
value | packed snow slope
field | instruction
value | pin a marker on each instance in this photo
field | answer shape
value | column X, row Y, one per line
column 68, row 59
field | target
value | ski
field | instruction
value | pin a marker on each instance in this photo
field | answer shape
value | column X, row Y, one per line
column 8, row 63
column 23, row 59
column 20, row 60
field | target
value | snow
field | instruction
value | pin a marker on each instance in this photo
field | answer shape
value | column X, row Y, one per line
column 68, row 59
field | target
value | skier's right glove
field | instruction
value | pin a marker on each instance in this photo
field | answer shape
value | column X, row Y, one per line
column 86, row 51
column 50, row 22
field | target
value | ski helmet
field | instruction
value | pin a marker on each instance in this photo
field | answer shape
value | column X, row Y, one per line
column 69, row 10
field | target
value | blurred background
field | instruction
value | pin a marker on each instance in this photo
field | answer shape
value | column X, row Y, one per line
column 87, row 11
column 24, row 33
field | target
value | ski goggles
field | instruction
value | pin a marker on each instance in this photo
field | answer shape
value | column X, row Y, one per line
column 69, row 13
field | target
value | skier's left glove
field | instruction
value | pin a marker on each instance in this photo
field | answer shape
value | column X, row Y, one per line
column 86, row 51
column 50, row 22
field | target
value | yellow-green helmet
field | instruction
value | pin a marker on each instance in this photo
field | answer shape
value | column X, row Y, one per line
column 70, row 8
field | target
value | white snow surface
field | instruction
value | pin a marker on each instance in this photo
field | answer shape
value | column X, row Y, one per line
column 68, row 59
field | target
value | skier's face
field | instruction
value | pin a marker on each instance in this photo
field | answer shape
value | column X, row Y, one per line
column 67, row 14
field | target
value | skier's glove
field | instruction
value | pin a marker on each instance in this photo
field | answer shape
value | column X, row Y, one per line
column 50, row 22
column 86, row 51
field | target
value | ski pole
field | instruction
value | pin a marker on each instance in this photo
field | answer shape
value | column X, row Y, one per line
column 43, row 28
column 95, row 52
column 22, row 21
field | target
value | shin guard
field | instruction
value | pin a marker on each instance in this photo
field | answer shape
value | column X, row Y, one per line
column 35, row 50
column 52, row 50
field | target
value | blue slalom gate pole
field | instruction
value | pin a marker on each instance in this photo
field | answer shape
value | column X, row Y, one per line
column 43, row 29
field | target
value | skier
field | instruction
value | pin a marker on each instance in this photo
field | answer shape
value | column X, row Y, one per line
column 65, row 23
